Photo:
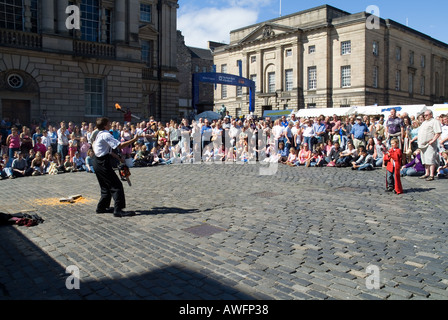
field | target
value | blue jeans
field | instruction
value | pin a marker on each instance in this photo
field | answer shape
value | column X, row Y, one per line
column 307, row 140
column 411, row 172
column 62, row 150
column 367, row 166
column 379, row 162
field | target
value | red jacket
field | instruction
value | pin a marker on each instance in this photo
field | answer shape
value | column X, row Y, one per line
column 397, row 156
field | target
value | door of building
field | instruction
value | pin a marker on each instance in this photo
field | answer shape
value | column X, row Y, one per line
column 14, row 109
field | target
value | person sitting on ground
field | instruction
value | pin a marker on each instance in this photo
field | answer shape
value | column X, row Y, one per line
column 347, row 156
column 364, row 162
column 59, row 163
column 415, row 167
column 317, row 159
column 19, row 166
column 378, row 155
column 78, row 162
column 68, row 165
column 38, row 165
column 89, row 161
column 292, row 157
column 334, row 155
column 304, row 155
column 283, row 152
column 442, row 170
column 6, row 166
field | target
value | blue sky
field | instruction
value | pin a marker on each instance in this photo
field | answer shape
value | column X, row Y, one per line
column 212, row 20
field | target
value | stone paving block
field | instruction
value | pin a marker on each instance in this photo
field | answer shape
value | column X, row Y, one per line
column 267, row 242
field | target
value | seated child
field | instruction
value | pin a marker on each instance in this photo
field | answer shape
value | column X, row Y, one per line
column 442, row 170
column 89, row 161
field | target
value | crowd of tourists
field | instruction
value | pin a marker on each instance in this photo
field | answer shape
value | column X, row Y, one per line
column 357, row 142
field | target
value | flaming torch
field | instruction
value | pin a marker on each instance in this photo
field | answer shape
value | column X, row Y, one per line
column 118, row 108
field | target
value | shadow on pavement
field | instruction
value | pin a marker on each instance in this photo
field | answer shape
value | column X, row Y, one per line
column 28, row 273
column 165, row 210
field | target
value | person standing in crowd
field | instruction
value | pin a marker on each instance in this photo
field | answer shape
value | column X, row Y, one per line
column 394, row 128
column 428, row 136
column 110, row 184
column 63, row 138
column 13, row 142
column 359, row 132
column 392, row 162
column 444, row 135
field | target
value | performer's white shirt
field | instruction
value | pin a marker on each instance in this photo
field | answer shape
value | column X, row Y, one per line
column 104, row 143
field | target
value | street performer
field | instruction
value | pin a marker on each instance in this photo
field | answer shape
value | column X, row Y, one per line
column 110, row 184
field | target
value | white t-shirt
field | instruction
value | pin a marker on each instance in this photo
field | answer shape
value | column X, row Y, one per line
column 104, row 143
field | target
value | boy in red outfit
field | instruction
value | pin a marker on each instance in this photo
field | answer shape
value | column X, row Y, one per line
column 392, row 160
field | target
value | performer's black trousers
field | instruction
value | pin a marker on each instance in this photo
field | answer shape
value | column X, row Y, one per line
column 111, row 186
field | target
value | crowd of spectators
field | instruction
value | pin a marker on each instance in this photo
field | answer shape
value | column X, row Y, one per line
column 357, row 142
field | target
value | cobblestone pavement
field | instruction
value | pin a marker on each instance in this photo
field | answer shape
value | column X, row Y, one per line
column 224, row 232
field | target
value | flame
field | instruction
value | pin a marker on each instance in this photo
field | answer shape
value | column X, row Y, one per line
column 117, row 106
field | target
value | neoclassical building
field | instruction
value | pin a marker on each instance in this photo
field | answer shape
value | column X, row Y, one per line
column 125, row 51
column 326, row 57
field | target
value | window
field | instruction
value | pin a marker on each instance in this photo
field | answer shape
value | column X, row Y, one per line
column 223, row 86
column 375, row 48
column 311, row 49
column 238, row 112
column 289, row 81
column 398, row 53
column 312, row 78
column 346, row 76
column 271, row 82
column 239, row 91
column 422, row 86
column 90, row 20
column 94, row 96
column 145, row 12
column 108, row 14
column 253, row 77
column 253, row 59
column 146, row 52
column 375, row 77
column 12, row 15
column 311, row 105
column 398, row 80
column 15, row 81
column 346, row 47
column 288, row 52
column 411, row 58
column 423, row 61
column 411, row 83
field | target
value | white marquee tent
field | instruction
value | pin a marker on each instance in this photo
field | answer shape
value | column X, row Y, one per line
column 411, row 110
column 327, row 112
column 439, row 109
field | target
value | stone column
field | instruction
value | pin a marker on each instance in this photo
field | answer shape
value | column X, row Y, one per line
column 134, row 18
column 48, row 16
column 120, row 20
column 62, row 17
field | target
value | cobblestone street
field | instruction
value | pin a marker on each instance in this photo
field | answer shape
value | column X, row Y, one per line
column 224, row 232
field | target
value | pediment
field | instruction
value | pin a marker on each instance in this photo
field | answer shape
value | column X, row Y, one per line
column 266, row 31
column 148, row 32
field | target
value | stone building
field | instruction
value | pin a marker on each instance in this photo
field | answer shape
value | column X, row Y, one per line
column 193, row 60
column 125, row 52
column 326, row 57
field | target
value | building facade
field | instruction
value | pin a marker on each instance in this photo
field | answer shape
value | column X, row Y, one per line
column 193, row 60
column 125, row 52
column 325, row 57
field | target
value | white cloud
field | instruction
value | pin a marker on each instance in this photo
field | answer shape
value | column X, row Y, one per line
column 214, row 22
